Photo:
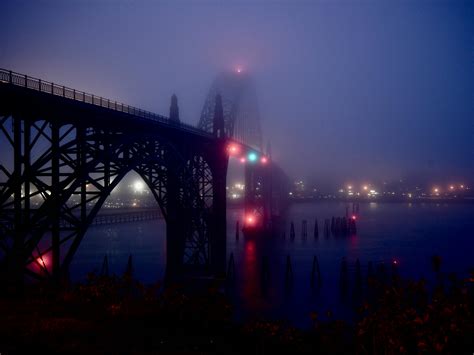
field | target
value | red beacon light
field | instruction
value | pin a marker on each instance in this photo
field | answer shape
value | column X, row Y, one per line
column 233, row 149
column 250, row 220
column 354, row 217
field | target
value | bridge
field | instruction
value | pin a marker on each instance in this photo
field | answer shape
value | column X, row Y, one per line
column 63, row 151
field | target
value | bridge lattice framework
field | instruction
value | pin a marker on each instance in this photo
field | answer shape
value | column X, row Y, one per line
column 64, row 151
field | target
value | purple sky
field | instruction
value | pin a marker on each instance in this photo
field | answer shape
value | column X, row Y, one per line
column 347, row 89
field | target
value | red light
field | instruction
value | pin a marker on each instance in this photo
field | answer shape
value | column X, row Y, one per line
column 395, row 262
column 233, row 149
column 250, row 220
column 264, row 160
column 242, row 160
column 42, row 260
column 354, row 217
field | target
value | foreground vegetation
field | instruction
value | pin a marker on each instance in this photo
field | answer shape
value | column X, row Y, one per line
column 119, row 315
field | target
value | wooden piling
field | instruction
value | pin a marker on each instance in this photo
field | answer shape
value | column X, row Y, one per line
column 105, row 266
column 292, row 231
column 129, row 267
column 316, row 229
column 326, row 228
column 237, row 231
column 304, row 229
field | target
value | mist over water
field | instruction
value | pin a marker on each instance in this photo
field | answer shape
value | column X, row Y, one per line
column 373, row 90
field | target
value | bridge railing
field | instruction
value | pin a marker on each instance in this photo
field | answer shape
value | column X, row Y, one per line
column 17, row 79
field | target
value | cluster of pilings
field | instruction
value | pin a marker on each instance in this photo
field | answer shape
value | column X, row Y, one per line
column 104, row 271
column 354, row 279
column 336, row 226
column 340, row 226
column 265, row 272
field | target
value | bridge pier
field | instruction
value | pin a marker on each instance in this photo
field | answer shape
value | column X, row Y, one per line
column 219, row 235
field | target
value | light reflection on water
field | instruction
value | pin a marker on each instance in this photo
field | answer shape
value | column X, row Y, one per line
column 408, row 233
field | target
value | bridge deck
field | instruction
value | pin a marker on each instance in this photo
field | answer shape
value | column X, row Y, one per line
column 28, row 82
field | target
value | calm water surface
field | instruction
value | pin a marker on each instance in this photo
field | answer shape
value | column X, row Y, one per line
column 407, row 233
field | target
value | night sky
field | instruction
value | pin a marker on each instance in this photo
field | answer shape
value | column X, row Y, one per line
column 347, row 89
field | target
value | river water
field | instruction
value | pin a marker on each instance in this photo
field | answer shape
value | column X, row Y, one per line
column 408, row 234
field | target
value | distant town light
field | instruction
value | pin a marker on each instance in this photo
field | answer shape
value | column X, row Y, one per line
column 349, row 187
column 365, row 187
column 451, row 187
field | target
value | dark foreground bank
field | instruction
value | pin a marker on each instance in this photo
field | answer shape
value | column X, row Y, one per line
column 119, row 315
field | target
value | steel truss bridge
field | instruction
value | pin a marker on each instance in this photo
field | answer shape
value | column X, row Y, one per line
column 63, row 151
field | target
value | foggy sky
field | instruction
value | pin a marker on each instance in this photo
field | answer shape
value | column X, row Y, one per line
column 347, row 90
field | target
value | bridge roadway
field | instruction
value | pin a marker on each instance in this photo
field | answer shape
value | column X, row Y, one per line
column 70, row 149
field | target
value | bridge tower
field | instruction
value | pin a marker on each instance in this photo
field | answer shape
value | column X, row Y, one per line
column 241, row 120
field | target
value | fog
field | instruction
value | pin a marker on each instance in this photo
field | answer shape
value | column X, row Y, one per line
column 347, row 90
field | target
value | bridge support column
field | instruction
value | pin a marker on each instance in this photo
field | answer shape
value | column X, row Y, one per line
column 219, row 235
column 15, row 262
column 174, row 228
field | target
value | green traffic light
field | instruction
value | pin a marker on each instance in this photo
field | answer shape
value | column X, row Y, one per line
column 252, row 156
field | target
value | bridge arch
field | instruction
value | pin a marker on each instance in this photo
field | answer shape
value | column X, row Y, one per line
column 74, row 171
